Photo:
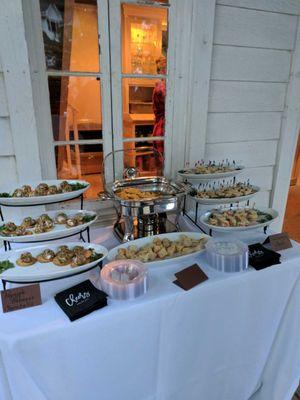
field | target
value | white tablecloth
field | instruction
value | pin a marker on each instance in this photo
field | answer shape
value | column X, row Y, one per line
column 220, row 340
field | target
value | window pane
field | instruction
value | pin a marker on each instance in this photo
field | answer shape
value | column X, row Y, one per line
column 75, row 108
column 70, row 32
column 144, row 39
column 145, row 157
column 81, row 162
column 144, row 110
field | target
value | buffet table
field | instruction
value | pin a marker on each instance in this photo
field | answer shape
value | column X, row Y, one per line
column 232, row 337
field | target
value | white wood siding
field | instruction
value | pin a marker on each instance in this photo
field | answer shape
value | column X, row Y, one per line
column 231, row 127
column 242, row 27
column 280, row 6
column 3, row 101
column 251, row 63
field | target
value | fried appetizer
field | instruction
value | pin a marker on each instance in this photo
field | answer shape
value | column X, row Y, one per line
column 46, row 256
column 26, row 260
column 161, row 249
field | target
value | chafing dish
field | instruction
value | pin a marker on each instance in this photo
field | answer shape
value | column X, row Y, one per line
column 144, row 217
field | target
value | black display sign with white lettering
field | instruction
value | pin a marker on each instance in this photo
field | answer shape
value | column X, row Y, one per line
column 80, row 300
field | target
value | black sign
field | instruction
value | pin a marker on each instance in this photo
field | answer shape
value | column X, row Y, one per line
column 261, row 257
column 80, row 300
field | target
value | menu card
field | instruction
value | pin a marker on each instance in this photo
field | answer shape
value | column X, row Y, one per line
column 21, row 297
column 190, row 277
column 80, row 300
column 279, row 241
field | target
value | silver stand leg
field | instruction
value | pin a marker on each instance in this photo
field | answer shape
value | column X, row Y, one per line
column 128, row 229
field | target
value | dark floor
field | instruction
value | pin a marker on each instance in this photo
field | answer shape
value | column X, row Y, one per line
column 297, row 395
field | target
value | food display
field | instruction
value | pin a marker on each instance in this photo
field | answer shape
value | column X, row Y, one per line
column 204, row 171
column 44, row 189
column 51, row 261
column 131, row 193
column 225, row 191
column 45, row 223
column 162, row 248
column 208, row 169
column 64, row 256
column 238, row 217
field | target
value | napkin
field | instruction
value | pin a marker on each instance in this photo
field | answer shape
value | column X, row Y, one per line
column 80, row 300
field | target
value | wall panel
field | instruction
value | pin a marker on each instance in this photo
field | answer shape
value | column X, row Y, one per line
column 252, row 28
column 249, row 154
column 231, row 127
column 6, row 145
column 3, row 100
column 250, row 64
column 280, row 6
column 226, row 96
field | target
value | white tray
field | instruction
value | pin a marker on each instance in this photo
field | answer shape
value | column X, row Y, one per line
column 172, row 236
column 45, row 271
column 57, row 232
column 208, row 177
column 53, row 198
column 231, row 229
column 226, row 200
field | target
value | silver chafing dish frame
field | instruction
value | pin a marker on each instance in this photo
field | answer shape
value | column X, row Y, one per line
column 171, row 199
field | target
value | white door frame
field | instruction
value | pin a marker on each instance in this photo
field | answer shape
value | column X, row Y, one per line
column 290, row 126
column 117, row 75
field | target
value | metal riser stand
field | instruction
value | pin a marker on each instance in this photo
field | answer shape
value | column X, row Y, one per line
column 7, row 244
column 195, row 220
column 4, row 281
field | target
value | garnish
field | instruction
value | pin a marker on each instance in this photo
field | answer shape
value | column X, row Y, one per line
column 5, row 194
column 78, row 186
column 4, row 265
column 95, row 256
column 88, row 218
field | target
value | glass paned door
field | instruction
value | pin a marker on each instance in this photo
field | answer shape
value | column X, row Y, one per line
column 139, row 60
column 76, row 47
column 106, row 63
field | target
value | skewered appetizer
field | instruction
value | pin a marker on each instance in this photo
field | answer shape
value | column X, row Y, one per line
column 44, row 223
column 136, row 194
column 237, row 217
column 210, row 168
column 160, row 249
column 222, row 192
column 64, row 256
column 43, row 189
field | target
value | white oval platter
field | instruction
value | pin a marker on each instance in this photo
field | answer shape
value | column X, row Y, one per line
column 171, row 236
column 57, row 232
column 45, row 271
column 231, row 229
column 35, row 200
column 208, row 177
column 226, row 200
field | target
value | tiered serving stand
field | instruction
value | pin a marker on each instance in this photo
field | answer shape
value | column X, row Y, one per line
column 42, row 201
column 210, row 181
